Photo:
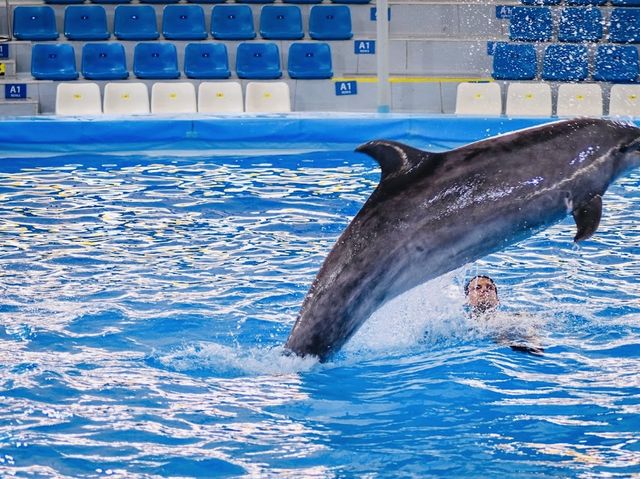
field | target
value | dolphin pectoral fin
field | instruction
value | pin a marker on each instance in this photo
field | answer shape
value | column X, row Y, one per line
column 587, row 218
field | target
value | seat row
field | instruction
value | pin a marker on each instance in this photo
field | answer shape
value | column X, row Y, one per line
column 630, row 3
column 182, row 22
column 132, row 98
column 535, row 24
column 535, row 99
column 78, row 2
column 561, row 62
column 159, row 60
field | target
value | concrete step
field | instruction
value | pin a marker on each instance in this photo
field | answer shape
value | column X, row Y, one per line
column 19, row 107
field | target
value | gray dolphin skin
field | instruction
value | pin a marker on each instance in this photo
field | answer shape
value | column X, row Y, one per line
column 434, row 212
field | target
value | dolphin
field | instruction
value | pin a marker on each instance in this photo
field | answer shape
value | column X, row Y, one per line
column 434, row 212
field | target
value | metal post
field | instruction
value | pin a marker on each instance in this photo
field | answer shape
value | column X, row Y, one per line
column 7, row 37
column 382, row 50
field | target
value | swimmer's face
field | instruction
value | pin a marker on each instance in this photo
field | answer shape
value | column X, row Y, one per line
column 483, row 294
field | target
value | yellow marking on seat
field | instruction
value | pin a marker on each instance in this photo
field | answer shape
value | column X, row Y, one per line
column 124, row 96
column 267, row 94
column 77, row 96
column 219, row 94
column 529, row 96
column 173, row 96
column 633, row 96
column 580, row 97
column 477, row 96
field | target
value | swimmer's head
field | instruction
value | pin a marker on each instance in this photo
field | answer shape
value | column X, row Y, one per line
column 482, row 294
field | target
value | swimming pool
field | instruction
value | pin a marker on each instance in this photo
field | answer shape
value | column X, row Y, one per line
column 146, row 296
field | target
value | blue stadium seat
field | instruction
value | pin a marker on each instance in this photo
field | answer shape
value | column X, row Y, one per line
column 514, row 61
column 256, row 1
column 135, row 22
column 627, row 3
column 354, row 2
column 531, row 24
column 310, row 61
column 206, row 1
column 584, row 2
column 232, row 22
column 86, row 23
column 624, row 25
column 34, row 23
column 183, row 22
column 104, row 61
column 330, row 22
column 206, row 61
column 110, row 1
column 281, row 22
column 302, row 1
column 565, row 63
column 51, row 61
column 540, row 2
column 158, row 1
column 258, row 61
column 580, row 24
column 63, row 2
column 616, row 64
column 157, row 60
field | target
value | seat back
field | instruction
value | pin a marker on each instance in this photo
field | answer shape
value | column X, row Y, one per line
column 616, row 63
column 34, row 23
column 624, row 25
column 220, row 97
column 514, row 61
column 135, row 22
column 565, row 63
column 310, row 60
column 174, row 97
column 579, row 99
column 232, row 22
column 267, row 97
column 104, row 61
column 126, row 98
column 86, row 22
column 183, row 22
column 78, row 99
column 624, row 100
column 580, row 24
column 529, row 99
column 479, row 99
column 628, row 3
column 532, row 24
column 206, row 61
column 585, row 2
column 330, row 22
column 281, row 22
column 158, row 60
column 258, row 61
column 53, row 62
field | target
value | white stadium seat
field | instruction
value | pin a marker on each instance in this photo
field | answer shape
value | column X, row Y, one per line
column 220, row 97
column 624, row 100
column 267, row 97
column 78, row 99
column 126, row 98
column 173, row 97
column 529, row 99
column 479, row 99
column 579, row 99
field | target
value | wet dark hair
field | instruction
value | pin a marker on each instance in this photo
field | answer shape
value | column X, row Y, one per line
column 468, row 283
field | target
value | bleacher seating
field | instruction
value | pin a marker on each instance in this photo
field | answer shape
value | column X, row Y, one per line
column 206, row 61
column 126, row 98
column 281, row 22
column 78, row 99
column 135, row 22
column 624, row 25
column 330, row 22
column 514, row 61
column 104, row 61
column 579, row 99
column 629, row 3
column 529, row 99
column 478, row 99
column 624, row 100
column 531, row 24
column 540, row 2
column 53, row 61
column 267, row 97
column 183, row 22
column 565, row 63
column 309, row 60
column 65, row 2
column 220, row 97
column 86, row 23
column 258, row 61
column 174, row 97
column 232, row 22
column 580, row 24
column 584, row 2
column 35, row 23
column 616, row 63
column 156, row 60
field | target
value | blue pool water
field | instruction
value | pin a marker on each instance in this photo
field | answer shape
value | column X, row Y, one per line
column 144, row 300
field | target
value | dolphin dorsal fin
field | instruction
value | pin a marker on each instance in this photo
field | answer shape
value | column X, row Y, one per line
column 397, row 159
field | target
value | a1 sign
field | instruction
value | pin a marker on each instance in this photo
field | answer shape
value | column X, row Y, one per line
column 4, row 50
column 364, row 47
column 374, row 14
column 15, row 90
column 346, row 88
